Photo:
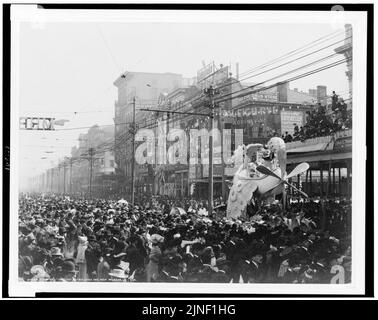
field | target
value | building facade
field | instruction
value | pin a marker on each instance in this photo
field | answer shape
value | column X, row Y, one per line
column 146, row 88
column 97, row 146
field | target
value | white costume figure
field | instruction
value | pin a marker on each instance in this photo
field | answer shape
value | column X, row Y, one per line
column 248, row 182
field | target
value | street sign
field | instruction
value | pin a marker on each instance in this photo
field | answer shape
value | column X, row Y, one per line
column 31, row 123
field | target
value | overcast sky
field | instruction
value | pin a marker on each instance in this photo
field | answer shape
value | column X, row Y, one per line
column 70, row 67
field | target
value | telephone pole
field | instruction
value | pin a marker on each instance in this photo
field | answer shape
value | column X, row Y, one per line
column 210, row 92
column 64, row 177
column 71, row 160
column 91, row 153
column 59, row 166
column 133, row 158
column 51, row 180
column 221, row 127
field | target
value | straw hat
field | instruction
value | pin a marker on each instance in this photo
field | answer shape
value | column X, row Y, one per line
column 118, row 273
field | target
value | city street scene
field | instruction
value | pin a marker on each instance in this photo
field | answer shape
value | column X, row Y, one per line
column 185, row 152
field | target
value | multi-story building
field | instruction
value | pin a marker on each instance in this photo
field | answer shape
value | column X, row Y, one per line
column 146, row 88
column 313, row 96
column 259, row 114
column 347, row 50
column 98, row 144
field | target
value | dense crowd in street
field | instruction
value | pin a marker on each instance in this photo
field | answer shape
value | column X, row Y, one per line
column 321, row 122
column 162, row 240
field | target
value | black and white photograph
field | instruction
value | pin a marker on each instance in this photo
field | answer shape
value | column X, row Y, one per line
column 187, row 151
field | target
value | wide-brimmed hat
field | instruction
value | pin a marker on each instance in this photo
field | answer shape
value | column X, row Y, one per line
column 157, row 238
column 55, row 251
column 39, row 273
column 118, row 273
column 69, row 267
column 82, row 239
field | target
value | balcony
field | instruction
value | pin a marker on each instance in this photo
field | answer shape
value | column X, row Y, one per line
column 319, row 143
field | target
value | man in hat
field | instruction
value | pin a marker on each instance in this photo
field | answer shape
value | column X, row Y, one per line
column 103, row 267
column 169, row 271
column 68, row 271
column 135, row 253
column 118, row 275
column 55, row 262
column 152, row 268
column 92, row 256
column 256, row 272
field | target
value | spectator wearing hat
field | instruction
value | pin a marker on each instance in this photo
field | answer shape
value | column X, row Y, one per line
column 256, row 273
column 136, row 254
column 118, row 275
column 68, row 271
column 24, row 265
column 103, row 267
column 71, row 241
column 92, row 256
column 152, row 268
column 169, row 271
column 80, row 257
column 54, row 263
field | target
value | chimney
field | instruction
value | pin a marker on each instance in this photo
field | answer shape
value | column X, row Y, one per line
column 237, row 70
column 321, row 93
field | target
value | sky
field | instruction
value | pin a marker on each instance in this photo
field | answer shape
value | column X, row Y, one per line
column 67, row 69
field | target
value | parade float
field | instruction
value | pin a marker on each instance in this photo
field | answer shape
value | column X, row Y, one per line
column 261, row 176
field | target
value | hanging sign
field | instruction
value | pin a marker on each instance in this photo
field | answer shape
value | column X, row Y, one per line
column 32, row 123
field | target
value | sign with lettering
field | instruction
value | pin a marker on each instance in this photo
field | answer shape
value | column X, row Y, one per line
column 32, row 123
column 204, row 72
column 289, row 119
column 217, row 170
column 251, row 111
column 192, row 171
column 266, row 95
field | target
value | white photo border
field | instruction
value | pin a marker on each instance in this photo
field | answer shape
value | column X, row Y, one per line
column 358, row 20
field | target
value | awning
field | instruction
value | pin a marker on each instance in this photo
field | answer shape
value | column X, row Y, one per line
column 311, row 145
column 309, row 148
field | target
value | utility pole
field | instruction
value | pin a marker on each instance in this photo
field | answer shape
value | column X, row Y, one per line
column 64, row 177
column 51, row 179
column 59, row 166
column 221, row 127
column 133, row 159
column 210, row 92
column 71, row 160
column 91, row 153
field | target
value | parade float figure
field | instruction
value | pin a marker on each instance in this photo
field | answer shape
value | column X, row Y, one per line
column 261, row 175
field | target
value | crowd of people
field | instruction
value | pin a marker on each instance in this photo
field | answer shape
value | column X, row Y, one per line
column 76, row 239
column 323, row 121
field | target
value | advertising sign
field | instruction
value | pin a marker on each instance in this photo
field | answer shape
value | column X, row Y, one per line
column 204, row 72
column 289, row 119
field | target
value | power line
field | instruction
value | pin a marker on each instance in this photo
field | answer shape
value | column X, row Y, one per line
column 283, row 74
column 108, row 48
column 286, row 63
column 334, row 64
column 300, row 49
